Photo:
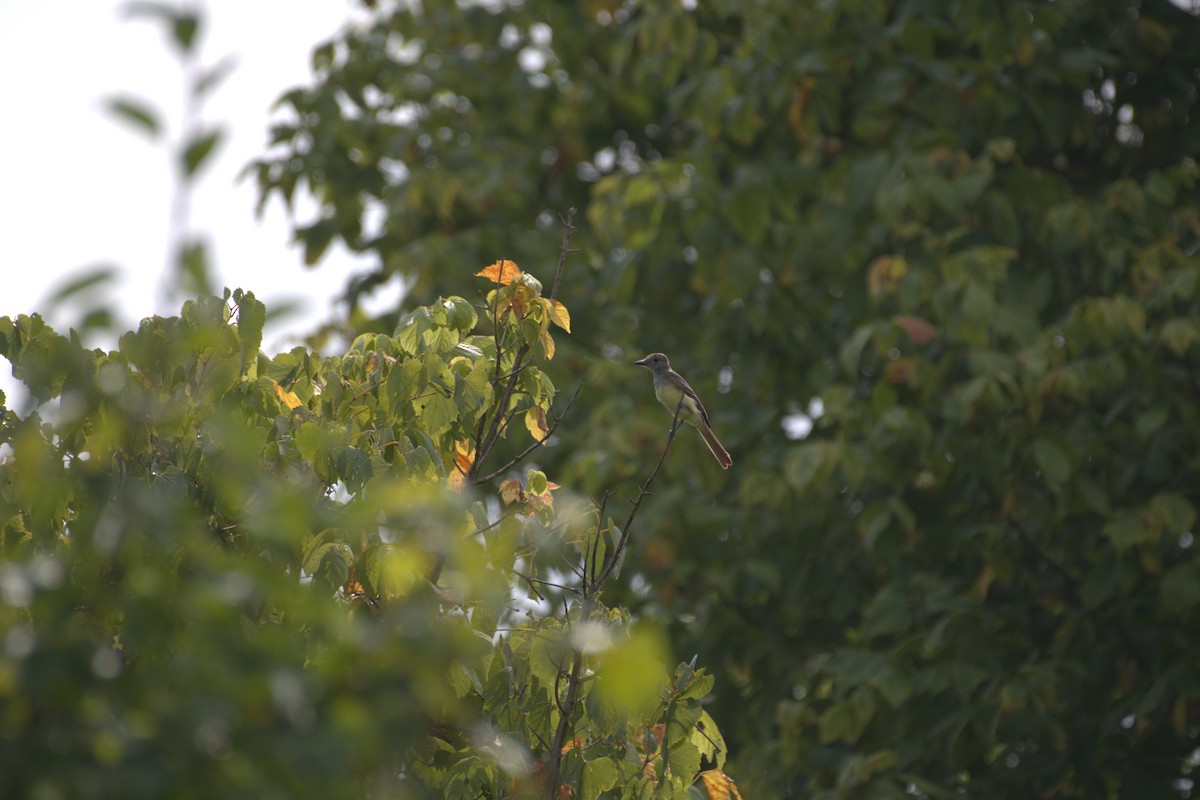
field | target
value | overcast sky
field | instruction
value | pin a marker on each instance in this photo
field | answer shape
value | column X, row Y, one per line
column 81, row 189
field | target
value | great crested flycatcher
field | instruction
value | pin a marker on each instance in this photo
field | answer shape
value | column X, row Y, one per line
column 669, row 387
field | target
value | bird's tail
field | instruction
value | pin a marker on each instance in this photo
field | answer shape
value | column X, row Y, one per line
column 714, row 446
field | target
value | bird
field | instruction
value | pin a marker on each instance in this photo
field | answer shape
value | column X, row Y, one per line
column 669, row 388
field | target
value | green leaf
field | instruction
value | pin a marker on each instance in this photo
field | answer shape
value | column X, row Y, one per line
column 851, row 352
column 1179, row 590
column 441, row 340
column 474, row 393
column 410, row 334
column 809, row 460
column 708, row 740
column 893, row 685
column 749, row 212
column 81, row 283
column 136, row 113
column 435, row 412
column 548, row 655
column 461, row 315
column 699, row 687
column 404, row 382
column 211, row 78
column 193, row 267
column 683, row 761
column 536, row 482
column 1179, row 334
column 1127, row 529
column 599, row 775
column 888, row 613
column 252, row 314
column 197, row 151
column 1053, row 462
column 1173, row 512
column 437, row 372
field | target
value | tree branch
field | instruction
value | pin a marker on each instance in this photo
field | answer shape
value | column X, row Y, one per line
column 566, row 709
column 610, row 562
column 537, row 443
column 568, row 232
column 485, row 443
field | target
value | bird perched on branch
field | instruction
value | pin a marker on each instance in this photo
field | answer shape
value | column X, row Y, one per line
column 670, row 388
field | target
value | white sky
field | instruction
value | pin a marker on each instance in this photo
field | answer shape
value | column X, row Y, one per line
column 81, row 189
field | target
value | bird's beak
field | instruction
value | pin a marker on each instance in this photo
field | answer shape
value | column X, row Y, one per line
column 641, row 362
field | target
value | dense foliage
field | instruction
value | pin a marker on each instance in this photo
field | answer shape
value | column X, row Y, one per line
column 960, row 239
column 233, row 575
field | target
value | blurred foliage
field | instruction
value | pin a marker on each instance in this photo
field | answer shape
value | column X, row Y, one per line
column 958, row 241
column 232, row 575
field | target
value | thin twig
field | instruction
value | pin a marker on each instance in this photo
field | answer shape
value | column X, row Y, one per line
column 531, row 580
column 568, row 232
column 489, row 441
column 532, row 588
column 489, row 526
column 566, row 709
column 610, row 563
column 589, row 560
column 537, row 443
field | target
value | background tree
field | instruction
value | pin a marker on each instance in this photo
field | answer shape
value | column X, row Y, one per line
column 959, row 239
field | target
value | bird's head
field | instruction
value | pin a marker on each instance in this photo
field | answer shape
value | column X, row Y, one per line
column 655, row 362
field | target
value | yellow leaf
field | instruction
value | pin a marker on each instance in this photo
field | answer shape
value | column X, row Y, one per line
column 560, row 316
column 884, row 274
column 289, row 399
column 799, row 102
column 522, row 300
column 719, row 785
column 535, row 423
column 501, row 272
column 464, row 454
column 547, row 343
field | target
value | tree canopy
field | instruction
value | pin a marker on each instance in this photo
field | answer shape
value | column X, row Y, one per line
column 933, row 269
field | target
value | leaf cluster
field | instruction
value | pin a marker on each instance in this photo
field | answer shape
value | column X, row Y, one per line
column 227, row 572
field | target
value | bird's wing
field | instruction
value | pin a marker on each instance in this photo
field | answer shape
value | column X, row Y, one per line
column 678, row 380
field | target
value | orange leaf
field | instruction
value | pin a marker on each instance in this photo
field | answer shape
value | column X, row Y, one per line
column 902, row 371
column 464, row 455
column 885, row 273
column 501, row 272
column 920, row 331
column 510, row 491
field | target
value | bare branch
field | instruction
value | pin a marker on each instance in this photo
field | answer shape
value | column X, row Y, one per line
column 610, row 562
column 568, row 232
